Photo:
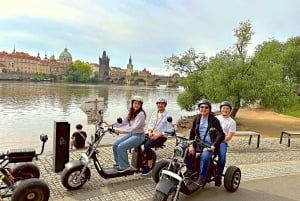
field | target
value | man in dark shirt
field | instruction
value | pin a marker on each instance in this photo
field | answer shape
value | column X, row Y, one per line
column 78, row 137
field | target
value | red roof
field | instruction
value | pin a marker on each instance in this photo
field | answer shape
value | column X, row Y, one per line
column 19, row 55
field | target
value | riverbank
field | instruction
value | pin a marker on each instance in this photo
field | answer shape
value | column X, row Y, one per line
column 264, row 121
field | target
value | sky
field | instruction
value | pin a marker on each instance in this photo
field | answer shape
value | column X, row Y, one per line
column 145, row 30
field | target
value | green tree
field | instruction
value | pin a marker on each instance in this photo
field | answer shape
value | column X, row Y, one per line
column 234, row 76
column 271, row 78
column 193, row 90
column 226, row 78
column 39, row 75
column 4, row 70
column 79, row 71
column 187, row 63
column 135, row 73
column 291, row 59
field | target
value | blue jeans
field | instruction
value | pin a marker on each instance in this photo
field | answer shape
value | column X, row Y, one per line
column 204, row 163
column 222, row 158
column 121, row 145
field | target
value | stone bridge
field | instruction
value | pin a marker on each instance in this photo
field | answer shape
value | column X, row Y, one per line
column 147, row 80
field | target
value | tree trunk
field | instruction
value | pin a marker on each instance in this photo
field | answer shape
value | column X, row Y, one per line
column 234, row 112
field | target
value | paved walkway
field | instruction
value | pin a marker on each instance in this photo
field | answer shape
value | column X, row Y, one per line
column 138, row 187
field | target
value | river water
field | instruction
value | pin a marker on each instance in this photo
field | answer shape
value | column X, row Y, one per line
column 28, row 109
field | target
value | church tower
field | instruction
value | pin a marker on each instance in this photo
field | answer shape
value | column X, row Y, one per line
column 129, row 71
column 103, row 66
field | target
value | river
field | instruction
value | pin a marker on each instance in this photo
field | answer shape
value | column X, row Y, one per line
column 31, row 108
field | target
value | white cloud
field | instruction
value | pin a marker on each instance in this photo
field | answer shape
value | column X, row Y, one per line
column 148, row 30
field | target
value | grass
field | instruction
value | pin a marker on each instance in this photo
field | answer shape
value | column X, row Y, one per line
column 293, row 111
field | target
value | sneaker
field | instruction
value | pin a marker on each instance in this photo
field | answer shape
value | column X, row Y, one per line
column 218, row 181
column 126, row 169
column 146, row 171
column 201, row 182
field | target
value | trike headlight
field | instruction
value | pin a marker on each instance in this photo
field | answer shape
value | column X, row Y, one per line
column 178, row 151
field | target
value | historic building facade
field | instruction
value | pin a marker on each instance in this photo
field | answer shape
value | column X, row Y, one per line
column 20, row 62
column 20, row 65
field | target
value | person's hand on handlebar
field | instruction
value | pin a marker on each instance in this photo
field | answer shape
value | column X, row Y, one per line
column 211, row 148
column 118, row 132
column 191, row 149
column 107, row 124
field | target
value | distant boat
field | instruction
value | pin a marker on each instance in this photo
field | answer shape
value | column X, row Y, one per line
column 42, row 79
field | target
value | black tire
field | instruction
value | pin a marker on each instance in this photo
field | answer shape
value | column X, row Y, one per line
column 69, row 176
column 157, row 169
column 154, row 159
column 232, row 178
column 159, row 196
column 25, row 171
column 32, row 189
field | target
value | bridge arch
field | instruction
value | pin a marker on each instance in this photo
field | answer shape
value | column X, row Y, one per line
column 152, row 80
column 140, row 81
column 158, row 82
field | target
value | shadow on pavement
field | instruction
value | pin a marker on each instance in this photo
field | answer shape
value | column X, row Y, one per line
column 276, row 189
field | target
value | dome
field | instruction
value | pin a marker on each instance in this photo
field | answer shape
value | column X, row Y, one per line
column 65, row 53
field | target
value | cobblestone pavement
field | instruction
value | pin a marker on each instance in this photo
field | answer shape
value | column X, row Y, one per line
column 139, row 188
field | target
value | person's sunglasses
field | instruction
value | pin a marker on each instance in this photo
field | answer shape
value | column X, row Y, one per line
column 205, row 107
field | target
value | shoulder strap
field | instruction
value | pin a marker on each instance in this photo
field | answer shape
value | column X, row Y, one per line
column 198, row 119
column 82, row 135
column 209, row 119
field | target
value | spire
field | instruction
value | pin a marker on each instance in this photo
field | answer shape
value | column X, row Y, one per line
column 104, row 54
column 130, row 60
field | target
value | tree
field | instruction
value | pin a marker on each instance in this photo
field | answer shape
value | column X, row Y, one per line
column 187, row 63
column 79, row 71
column 4, row 70
column 243, row 34
column 39, row 75
column 291, row 59
column 277, row 90
column 193, row 87
column 135, row 73
column 232, row 75
column 226, row 78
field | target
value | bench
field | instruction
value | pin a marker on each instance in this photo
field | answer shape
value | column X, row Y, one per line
column 250, row 134
column 289, row 134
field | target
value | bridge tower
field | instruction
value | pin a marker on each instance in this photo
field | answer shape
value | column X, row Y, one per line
column 104, row 66
column 129, row 71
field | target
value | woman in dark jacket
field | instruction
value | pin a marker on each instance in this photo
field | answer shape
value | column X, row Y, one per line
column 202, row 128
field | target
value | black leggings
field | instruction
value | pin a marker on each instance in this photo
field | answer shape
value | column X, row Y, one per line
column 148, row 153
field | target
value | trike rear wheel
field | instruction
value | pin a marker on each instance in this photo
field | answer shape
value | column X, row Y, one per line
column 232, row 178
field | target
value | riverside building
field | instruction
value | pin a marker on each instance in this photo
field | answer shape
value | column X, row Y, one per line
column 23, row 63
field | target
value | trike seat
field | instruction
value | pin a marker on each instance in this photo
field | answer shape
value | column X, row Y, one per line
column 20, row 155
column 161, row 146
